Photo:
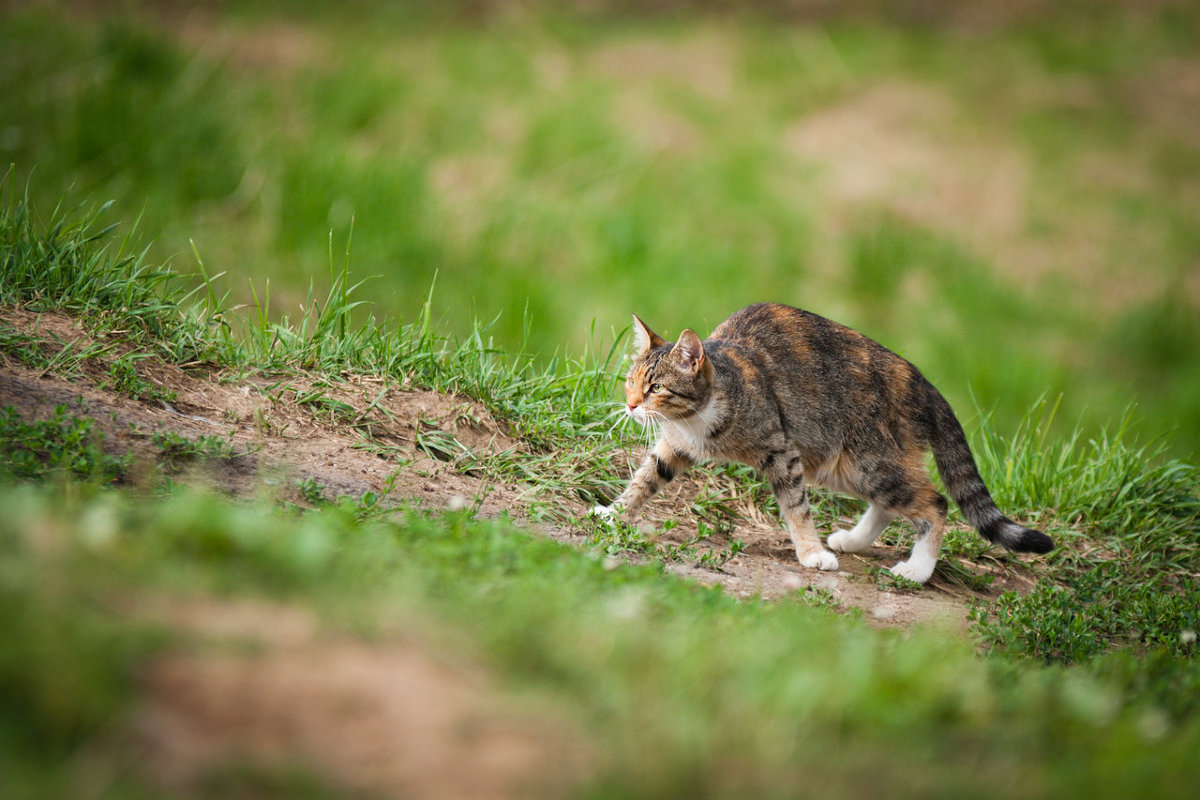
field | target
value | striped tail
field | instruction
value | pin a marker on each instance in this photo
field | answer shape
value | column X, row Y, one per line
column 961, row 477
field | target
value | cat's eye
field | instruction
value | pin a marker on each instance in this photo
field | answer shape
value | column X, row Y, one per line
column 655, row 388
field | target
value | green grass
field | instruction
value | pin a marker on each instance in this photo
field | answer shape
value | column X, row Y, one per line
column 557, row 168
column 61, row 446
column 1085, row 687
column 790, row 695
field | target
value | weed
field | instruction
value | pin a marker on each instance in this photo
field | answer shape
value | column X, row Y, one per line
column 177, row 449
column 615, row 537
column 123, row 377
column 715, row 559
column 312, row 490
column 61, row 445
column 818, row 598
column 1121, row 611
column 886, row 579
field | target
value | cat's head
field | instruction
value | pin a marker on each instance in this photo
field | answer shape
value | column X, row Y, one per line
column 666, row 380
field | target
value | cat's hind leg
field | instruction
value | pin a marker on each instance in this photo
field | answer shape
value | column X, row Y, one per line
column 863, row 534
column 928, row 515
column 900, row 486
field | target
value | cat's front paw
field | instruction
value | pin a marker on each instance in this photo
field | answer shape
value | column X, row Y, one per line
column 819, row 559
column 918, row 573
column 606, row 513
column 845, row 542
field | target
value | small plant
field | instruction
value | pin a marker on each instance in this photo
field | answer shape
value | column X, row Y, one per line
column 124, row 377
column 715, row 559
column 614, row 536
column 176, row 449
column 886, row 579
column 818, row 598
column 63, row 444
column 312, row 490
column 1122, row 610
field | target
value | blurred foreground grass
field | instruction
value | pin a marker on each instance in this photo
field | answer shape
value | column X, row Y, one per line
column 684, row 691
column 1014, row 205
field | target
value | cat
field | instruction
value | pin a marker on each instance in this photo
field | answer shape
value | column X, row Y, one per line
column 806, row 400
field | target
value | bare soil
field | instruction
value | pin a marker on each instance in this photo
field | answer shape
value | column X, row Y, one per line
column 265, row 687
column 390, row 718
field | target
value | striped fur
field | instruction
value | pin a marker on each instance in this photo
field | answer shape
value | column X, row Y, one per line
column 808, row 401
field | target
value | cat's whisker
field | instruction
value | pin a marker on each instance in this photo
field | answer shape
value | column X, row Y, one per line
column 615, row 416
column 622, row 423
column 619, row 408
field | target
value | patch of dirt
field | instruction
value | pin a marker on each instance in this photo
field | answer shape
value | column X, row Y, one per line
column 911, row 151
column 357, row 436
column 655, row 129
column 264, row 685
column 1170, row 95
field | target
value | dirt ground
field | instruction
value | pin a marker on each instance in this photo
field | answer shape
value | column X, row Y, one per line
column 297, row 686
column 264, row 687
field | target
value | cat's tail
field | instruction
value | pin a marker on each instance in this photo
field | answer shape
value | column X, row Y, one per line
column 961, row 476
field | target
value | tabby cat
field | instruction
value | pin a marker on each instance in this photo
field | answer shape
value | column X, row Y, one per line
column 806, row 400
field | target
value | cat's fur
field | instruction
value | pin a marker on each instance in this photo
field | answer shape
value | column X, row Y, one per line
column 806, row 400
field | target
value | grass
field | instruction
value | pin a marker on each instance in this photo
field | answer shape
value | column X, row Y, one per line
column 459, row 161
column 791, row 695
column 1023, row 220
column 61, row 446
column 1065, row 704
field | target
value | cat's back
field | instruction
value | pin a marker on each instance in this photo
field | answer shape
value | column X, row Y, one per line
column 773, row 329
column 814, row 358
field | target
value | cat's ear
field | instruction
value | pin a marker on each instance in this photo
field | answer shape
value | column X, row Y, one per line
column 689, row 351
column 644, row 339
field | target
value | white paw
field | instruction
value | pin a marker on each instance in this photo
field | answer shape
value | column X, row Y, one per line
column 914, row 572
column 844, row 542
column 604, row 512
column 819, row 559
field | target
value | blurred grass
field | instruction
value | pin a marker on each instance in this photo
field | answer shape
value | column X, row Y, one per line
column 1013, row 204
column 733, row 698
